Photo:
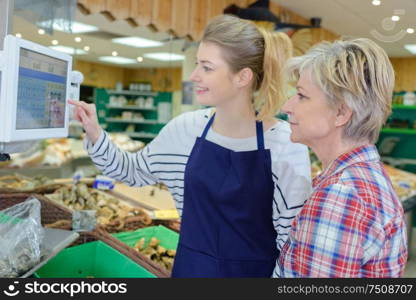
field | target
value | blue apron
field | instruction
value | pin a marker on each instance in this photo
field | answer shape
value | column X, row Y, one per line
column 227, row 220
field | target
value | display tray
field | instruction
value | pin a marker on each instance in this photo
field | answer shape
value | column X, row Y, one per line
column 167, row 238
column 92, row 260
column 55, row 240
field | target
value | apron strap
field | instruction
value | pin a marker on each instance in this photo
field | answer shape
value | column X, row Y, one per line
column 204, row 134
column 260, row 136
column 259, row 132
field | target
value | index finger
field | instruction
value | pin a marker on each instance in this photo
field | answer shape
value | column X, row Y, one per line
column 73, row 102
column 78, row 103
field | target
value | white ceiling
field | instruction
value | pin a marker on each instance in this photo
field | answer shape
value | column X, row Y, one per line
column 345, row 17
column 359, row 18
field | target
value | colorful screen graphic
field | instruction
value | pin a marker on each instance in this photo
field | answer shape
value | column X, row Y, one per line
column 41, row 91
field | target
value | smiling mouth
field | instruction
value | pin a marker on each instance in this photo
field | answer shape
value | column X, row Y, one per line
column 200, row 90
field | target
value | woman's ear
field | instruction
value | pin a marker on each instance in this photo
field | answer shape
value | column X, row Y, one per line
column 344, row 114
column 244, row 77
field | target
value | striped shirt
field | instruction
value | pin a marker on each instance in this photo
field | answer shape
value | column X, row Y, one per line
column 352, row 226
column 164, row 160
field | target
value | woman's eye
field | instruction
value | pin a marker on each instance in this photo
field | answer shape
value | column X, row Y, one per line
column 206, row 69
column 301, row 96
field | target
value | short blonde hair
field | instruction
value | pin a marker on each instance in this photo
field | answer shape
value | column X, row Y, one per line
column 354, row 72
column 244, row 45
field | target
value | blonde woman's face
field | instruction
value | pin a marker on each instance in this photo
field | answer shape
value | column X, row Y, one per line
column 214, row 83
column 311, row 118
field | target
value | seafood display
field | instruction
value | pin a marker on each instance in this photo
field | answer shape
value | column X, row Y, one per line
column 156, row 253
column 404, row 183
column 20, row 183
column 109, row 210
column 20, row 263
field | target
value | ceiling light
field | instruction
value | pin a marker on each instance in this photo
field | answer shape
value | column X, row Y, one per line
column 395, row 18
column 68, row 50
column 63, row 25
column 55, row 42
column 114, row 53
column 19, row 35
column 164, row 56
column 137, row 42
column 78, row 39
column 410, row 30
column 376, row 2
column 140, row 59
column 411, row 48
column 117, row 60
column 41, row 31
column 87, row 48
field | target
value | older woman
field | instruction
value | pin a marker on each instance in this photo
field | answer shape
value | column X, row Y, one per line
column 352, row 225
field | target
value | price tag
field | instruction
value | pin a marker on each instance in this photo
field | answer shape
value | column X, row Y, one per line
column 166, row 214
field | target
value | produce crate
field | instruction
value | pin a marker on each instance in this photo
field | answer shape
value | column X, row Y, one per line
column 174, row 225
column 168, row 239
column 92, row 260
column 56, row 216
column 50, row 212
column 99, row 234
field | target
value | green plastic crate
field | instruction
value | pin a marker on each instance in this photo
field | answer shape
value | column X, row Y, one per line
column 94, row 259
column 168, row 238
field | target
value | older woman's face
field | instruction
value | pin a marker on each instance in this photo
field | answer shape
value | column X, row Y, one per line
column 311, row 118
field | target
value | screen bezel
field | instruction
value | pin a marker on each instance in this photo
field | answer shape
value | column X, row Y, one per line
column 12, row 48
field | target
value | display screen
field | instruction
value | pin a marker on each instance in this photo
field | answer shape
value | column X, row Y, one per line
column 41, row 91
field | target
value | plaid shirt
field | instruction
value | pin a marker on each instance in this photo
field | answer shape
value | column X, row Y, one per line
column 351, row 226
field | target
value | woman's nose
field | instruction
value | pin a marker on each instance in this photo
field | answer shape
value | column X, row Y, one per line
column 287, row 107
column 194, row 75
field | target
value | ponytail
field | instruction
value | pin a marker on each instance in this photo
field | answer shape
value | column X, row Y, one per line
column 271, row 94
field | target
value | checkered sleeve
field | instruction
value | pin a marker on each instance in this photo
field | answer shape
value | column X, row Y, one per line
column 329, row 234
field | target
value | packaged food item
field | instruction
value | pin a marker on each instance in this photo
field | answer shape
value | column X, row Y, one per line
column 21, row 236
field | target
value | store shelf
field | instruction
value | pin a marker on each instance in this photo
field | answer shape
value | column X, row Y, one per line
column 131, row 107
column 401, row 106
column 399, row 130
column 115, row 120
column 132, row 93
column 139, row 135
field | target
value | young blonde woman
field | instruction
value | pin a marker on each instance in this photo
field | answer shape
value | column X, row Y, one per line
column 353, row 224
column 236, row 178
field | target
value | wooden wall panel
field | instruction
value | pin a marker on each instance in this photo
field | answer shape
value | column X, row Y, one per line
column 106, row 76
column 162, row 79
column 405, row 71
column 180, row 17
column 162, row 15
column 198, row 18
column 141, row 12
column 99, row 75
column 215, row 8
column 119, row 9
column 92, row 6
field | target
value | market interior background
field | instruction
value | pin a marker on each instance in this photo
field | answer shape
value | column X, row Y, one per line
column 139, row 87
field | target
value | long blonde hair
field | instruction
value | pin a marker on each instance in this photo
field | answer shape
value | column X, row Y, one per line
column 246, row 46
